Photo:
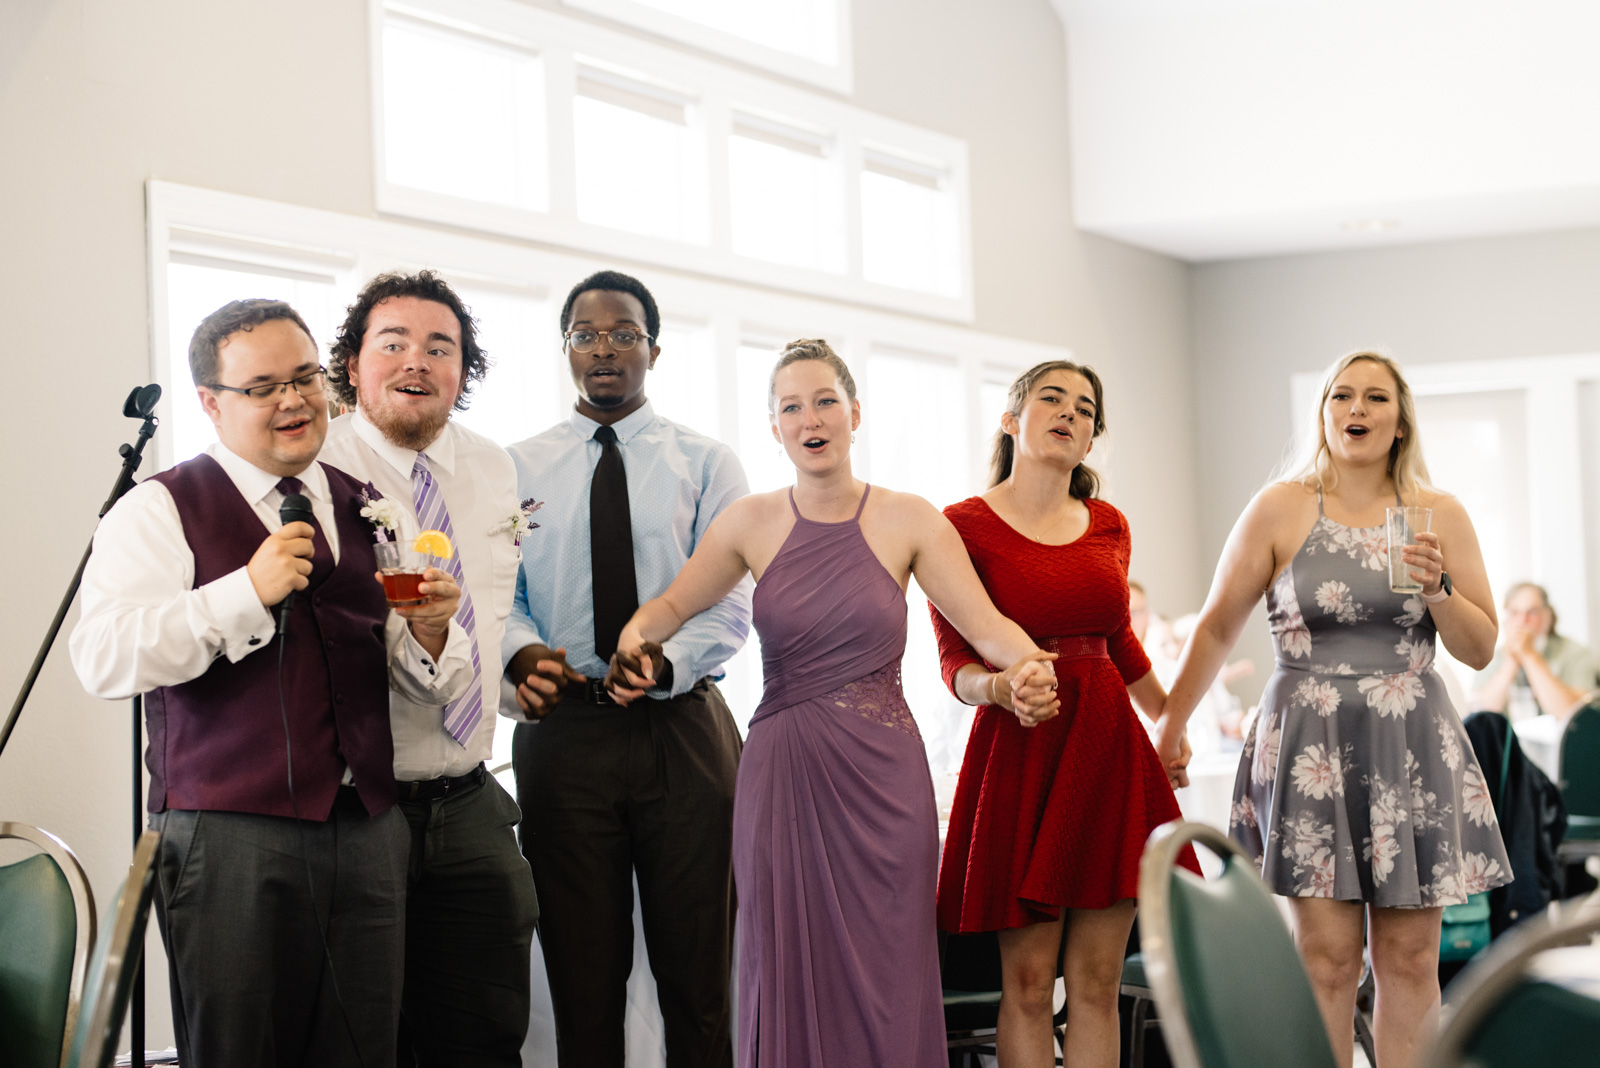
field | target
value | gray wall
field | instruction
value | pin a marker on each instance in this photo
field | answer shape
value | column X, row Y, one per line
column 1256, row 322
column 271, row 100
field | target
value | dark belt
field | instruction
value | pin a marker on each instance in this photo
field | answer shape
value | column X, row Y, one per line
column 592, row 692
column 432, row 789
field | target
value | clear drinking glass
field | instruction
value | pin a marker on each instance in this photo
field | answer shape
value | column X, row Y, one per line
column 401, row 567
column 1404, row 525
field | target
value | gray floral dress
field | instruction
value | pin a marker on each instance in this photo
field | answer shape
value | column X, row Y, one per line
column 1357, row 782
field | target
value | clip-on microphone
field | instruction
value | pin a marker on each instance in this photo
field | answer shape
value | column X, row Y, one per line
column 296, row 508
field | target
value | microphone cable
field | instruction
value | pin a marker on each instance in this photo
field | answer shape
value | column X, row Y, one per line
column 296, row 508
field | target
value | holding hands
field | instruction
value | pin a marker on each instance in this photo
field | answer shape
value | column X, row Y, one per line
column 542, row 675
column 1027, row 688
column 635, row 666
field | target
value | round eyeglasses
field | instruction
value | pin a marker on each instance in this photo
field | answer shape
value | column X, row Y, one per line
column 267, row 394
column 623, row 338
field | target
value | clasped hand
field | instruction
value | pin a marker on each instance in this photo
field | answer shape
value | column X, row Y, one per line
column 1028, row 689
column 633, row 671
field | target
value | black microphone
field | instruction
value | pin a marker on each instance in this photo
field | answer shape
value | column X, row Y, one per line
column 296, row 508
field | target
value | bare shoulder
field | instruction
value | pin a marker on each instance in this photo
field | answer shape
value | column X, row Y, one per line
column 900, row 507
column 1448, row 511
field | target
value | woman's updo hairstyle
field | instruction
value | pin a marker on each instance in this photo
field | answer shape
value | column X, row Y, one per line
column 809, row 348
column 1085, row 483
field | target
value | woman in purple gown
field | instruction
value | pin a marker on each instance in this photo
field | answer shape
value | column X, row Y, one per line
column 835, row 847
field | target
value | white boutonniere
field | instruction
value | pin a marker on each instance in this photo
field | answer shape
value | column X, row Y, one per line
column 383, row 513
column 519, row 523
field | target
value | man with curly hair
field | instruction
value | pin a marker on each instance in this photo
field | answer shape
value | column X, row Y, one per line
column 405, row 359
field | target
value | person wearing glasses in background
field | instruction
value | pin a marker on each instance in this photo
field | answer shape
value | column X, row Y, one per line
column 258, row 872
column 405, row 359
column 607, row 791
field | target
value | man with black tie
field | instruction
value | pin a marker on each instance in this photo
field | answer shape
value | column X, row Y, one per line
column 279, row 899
column 609, row 792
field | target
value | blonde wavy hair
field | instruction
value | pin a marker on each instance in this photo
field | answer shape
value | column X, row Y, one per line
column 1312, row 465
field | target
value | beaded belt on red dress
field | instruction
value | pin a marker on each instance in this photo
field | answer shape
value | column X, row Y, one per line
column 1076, row 647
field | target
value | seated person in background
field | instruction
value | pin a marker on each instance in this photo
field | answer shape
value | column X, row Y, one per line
column 1535, row 669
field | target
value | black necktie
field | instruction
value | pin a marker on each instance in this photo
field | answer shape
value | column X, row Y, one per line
column 616, row 588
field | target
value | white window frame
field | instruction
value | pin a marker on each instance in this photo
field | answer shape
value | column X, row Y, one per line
column 255, row 234
column 561, row 42
column 1553, row 392
column 839, row 78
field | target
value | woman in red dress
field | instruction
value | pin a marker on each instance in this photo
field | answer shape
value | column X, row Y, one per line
column 1049, row 822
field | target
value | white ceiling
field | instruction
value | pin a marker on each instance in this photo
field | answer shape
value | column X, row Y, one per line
column 1219, row 129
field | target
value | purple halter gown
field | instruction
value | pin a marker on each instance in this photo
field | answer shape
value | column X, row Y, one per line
column 835, row 834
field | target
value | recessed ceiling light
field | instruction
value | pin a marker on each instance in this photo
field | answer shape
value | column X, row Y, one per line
column 1369, row 226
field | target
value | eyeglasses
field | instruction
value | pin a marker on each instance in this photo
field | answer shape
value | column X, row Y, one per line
column 267, row 393
column 623, row 338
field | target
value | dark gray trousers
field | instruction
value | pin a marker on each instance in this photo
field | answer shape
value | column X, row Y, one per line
column 250, row 984
column 470, row 911
column 607, row 793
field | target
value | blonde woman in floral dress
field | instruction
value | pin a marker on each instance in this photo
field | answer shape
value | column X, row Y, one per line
column 1357, row 790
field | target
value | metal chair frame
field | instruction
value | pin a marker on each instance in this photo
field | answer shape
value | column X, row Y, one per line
column 1494, row 974
column 1155, row 924
column 125, row 944
column 83, row 906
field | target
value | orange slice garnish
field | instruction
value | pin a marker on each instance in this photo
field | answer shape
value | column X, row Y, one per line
column 434, row 543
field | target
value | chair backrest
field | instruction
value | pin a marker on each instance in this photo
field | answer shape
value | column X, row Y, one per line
column 1502, row 1014
column 46, row 930
column 115, row 963
column 1227, row 980
column 1580, row 764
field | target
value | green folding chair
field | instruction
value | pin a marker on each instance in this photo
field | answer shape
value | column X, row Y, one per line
column 1503, row 1012
column 1579, row 779
column 46, row 929
column 1228, row 982
column 115, row 962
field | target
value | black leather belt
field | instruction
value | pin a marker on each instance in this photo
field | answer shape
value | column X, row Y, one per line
column 432, row 789
column 592, row 692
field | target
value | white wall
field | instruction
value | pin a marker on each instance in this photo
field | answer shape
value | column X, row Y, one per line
column 270, row 100
column 1256, row 322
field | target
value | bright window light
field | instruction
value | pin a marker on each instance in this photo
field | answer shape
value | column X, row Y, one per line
column 805, row 28
column 520, row 396
column 640, row 158
column 683, row 385
column 765, row 463
column 911, row 452
column 464, row 117
column 194, row 291
column 784, row 195
column 908, row 226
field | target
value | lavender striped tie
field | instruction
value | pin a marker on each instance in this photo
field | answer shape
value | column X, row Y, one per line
column 461, row 716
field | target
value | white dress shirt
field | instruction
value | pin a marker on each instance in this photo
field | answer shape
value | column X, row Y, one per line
column 144, row 625
column 479, row 485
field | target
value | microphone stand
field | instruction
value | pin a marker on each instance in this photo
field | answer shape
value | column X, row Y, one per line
column 141, row 404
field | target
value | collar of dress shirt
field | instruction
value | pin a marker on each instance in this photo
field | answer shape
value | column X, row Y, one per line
column 626, row 427
column 441, row 453
column 255, row 483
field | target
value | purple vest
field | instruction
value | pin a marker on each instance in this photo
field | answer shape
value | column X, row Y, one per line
column 216, row 741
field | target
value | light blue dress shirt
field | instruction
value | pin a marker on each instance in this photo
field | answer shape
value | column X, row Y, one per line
column 678, row 482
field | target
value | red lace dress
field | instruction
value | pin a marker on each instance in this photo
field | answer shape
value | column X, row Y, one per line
column 1056, row 815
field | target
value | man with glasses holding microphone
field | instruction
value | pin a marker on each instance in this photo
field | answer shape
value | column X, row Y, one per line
column 260, row 642
column 607, row 791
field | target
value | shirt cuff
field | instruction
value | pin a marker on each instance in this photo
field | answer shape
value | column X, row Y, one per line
column 520, row 633
column 243, row 624
column 419, row 676
column 683, row 675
